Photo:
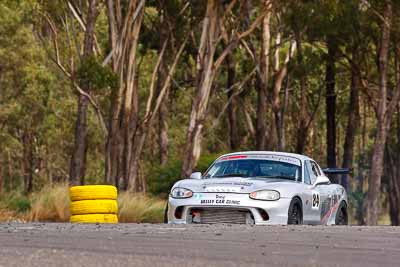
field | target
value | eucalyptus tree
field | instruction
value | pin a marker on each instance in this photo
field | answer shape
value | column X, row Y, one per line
column 385, row 105
column 130, row 120
column 26, row 99
column 79, row 154
column 207, row 68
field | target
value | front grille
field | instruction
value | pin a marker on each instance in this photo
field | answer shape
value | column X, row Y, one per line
column 221, row 215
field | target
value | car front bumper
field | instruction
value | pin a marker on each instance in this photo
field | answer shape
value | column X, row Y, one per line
column 180, row 211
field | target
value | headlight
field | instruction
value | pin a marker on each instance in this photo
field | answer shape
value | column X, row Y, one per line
column 180, row 192
column 265, row 195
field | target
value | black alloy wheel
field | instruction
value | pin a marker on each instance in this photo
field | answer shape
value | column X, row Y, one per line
column 295, row 213
column 341, row 215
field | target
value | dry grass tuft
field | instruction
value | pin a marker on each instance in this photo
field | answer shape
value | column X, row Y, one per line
column 11, row 216
column 50, row 204
column 139, row 208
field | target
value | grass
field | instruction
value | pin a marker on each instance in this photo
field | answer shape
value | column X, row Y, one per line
column 51, row 204
column 14, row 207
column 138, row 208
column 15, row 201
column 8, row 216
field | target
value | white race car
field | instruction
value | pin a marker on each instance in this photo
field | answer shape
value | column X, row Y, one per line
column 259, row 187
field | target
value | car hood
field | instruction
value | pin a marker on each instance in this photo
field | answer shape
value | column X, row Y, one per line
column 236, row 184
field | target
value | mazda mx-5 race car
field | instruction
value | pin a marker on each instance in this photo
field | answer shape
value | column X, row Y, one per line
column 259, row 187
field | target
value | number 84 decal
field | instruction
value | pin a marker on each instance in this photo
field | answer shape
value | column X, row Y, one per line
column 315, row 200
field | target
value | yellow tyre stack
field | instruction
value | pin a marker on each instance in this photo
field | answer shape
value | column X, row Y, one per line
column 93, row 204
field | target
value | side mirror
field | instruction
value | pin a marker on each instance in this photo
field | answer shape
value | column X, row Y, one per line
column 195, row 175
column 321, row 180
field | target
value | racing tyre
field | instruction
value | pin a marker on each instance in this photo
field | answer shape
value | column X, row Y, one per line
column 295, row 212
column 166, row 214
column 341, row 215
column 92, row 192
column 94, row 218
column 94, row 206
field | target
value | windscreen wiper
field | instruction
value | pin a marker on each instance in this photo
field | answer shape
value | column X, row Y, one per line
column 230, row 175
column 278, row 176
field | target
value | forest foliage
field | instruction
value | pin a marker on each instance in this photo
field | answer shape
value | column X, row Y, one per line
column 142, row 93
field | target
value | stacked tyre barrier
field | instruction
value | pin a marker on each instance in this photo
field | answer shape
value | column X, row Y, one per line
column 93, row 204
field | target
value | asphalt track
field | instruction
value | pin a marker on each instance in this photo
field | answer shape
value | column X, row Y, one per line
column 56, row 244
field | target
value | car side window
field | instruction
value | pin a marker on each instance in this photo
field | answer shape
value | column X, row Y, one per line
column 315, row 169
column 313, row 173
column 307, row 179
column 320, row 170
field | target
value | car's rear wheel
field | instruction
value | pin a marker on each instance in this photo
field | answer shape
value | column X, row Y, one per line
column 166, row 214
column 341, row 215
column 295, row 213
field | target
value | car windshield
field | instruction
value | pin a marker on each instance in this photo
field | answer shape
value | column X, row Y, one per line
column 259, row 168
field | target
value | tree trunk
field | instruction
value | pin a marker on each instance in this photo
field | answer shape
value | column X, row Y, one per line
column 121, row 161
column 331, row 107
column 262, row 96
column 163, row 113
column 232, row 107
column 393, row 172
column 205, row 76
column 28, row 161
column 383, row 124
column 113, row 153
column 163, row 130
column 129, row 130
column 9, row 172
column 280, row 73
column 78, row 160
column 353, row 121
column 374, row 179
column 394, row 201
column 207, row 68
column 281, row 125
column 1, row 176
column 134, row 182
column 303, row 122
column 137, row 182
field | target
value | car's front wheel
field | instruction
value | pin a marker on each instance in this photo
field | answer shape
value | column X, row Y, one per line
column 341, row 215
column 295, row 213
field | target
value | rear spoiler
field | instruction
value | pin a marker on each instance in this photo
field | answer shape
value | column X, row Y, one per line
column 336, row 170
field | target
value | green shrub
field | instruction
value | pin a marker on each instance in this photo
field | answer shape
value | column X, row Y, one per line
column 161, row 179
column 16, row 202
column 21, row 205
column 356, row 202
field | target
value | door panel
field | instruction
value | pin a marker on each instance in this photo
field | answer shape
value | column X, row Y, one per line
column 308, row 217
column 319, row 196
column 325, row 202
column 314, row 197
